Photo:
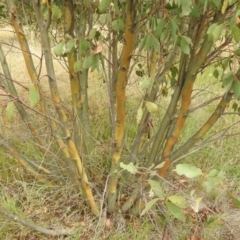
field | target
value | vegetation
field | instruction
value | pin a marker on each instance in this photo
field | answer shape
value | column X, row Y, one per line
column 131, row 113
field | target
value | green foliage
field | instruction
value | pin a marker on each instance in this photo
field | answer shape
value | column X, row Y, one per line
column 213, row 179
column 149, row 205
column 160, row 26
column 188, row 170
column 91, row 61
column 56, row 11
column 227, row 79
column 176, row 211
column 185, row 43
column 104, row 5
column 173, row 28
column 129, row 167
column 78, row 66
column 69, row 46
column 58, row 49
column 118, row 25
column 2, row 11
column 186, row 7
column 33, row 96
column 92, row 34
column 152, row 107
column 83, row 47
column 150, row 42
column 214, row 31
column 10, row 110
column 156, row 189
column 234, row 200
column 179, row 201
column 236, row 89
column 236, row 33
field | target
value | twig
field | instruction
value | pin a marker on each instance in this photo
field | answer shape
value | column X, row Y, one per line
column 46, row 231
column 101, row 214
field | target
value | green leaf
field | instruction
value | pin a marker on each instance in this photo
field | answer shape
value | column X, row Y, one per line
column 91, row 61
column 195, row 11
column 236, row 33
column 69, row 47
column 176, row 211
column 235, row 107
column 104, row 5
column 164, row 35
column 33, row 96
column 149, row 206
column 210, row 30
column 155, row 43
column 196, row 204
column 227, row 79
column 184, row 44
column 160, row 165
column 217, row 31
column 151, row 107
column 143, row 42
column 213, row 179
column 174, row 71
column 173, row 28
column 146, row 83
column 10, row 111
column 83, row 47
column 156, row 188
column 78, row 66
column 217, row 3
column 234, row 200
column 58, row 49
column 179, row 201
column 224, row 6
column 188, row 170
column 160, row 26
column 216, row 73
column 236, row 89
column 92, row 33
column 118, row 25
column 56, row 11
column 185, row 6
column 237, row 52
column 129, row 167
column 149, row 42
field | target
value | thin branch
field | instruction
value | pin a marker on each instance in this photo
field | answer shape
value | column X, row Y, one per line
column 46, row 231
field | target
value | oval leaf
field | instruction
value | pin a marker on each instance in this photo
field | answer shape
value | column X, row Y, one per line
column 78, row 66
column 236, row 89
column 10, row 110
column 149, row 206
column 104, row 5
column 129, row 167
column 92, row 33
column 176, row 211
column 188, row 170
column 224, row 6
column 179, row 201
column 152, row 107
column 58, row 50
column 156, row 188
column 33, row 96
column 69, row 46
